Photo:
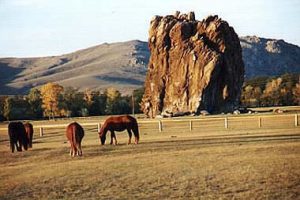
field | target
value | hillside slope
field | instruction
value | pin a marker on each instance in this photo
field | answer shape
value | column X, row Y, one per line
column 119, row 65
column 269, row 57
column 123, row 65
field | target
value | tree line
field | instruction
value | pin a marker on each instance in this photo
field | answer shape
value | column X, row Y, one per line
column 271, row 91
column 53, row 100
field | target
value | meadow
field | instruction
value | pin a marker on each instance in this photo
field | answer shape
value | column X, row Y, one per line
column 254, row 157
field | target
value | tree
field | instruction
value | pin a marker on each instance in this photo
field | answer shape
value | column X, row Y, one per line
column 296, row 93
column 138, row 95
column 270, row 91
column 73, row 102
column 16, row 108
column 35, row 102
column 96, row 102
column 113, row 96
column 7, row 108
column 117, row 104
column 271, row 95
column 2, row 100
column 251, row 96
column 51, row 97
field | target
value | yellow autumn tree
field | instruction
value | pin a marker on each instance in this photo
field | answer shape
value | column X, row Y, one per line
column 51, row 94
column 296, row 93
column 112, row 101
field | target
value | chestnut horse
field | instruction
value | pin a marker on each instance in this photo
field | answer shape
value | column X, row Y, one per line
column 75, row 134
column 119, row 123
column 17, row 136
column 29, row 133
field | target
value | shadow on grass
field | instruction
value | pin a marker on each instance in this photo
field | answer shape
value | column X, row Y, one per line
column 185, row 144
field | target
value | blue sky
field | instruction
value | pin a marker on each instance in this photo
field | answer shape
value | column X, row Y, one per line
column 53, row 27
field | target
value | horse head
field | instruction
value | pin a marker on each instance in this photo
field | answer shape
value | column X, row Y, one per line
column 102, row 136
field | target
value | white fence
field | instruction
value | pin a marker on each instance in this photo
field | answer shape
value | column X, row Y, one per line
column 197, row 124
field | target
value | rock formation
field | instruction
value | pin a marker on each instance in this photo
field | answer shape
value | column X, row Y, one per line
column 194, row 65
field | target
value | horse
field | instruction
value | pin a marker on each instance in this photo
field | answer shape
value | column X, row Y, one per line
column 119, row 123
column 17, row 136
column 29, row 133
column 75, row 134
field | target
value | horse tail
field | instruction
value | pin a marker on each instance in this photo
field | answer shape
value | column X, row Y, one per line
column 136, row 130
column 74, row 137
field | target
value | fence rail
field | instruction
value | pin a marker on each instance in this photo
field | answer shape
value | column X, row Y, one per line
column 198, row 124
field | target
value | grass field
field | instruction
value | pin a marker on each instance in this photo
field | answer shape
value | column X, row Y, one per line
column 209, row 162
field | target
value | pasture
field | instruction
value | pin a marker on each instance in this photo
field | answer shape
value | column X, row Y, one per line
column 254, row 157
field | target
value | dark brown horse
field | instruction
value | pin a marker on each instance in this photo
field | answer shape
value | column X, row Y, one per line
column 17, row 136
column 29, row 133
column 119, row 123
column 75, row 134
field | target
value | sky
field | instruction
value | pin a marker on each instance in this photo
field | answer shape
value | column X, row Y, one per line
column 30, row 28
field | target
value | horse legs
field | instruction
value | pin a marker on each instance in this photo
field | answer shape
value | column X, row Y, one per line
column 19, row 145
column 112, row 137
column 79, row 151
column 129, row 135
column 30, row 141
column 12, row 146
column 136, row 135
column 72, row 149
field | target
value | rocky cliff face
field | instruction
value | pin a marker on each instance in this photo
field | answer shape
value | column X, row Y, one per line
column 194, row 65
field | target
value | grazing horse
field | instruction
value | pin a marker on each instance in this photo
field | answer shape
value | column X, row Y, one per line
column 75, row 134
column 17, row 136
column 119, row 123
column 29, row 133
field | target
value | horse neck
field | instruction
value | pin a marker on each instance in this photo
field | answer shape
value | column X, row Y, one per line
column 103, row 130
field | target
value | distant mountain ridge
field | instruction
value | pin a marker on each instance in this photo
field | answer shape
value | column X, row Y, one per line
column 269, row 57
column 123, row 66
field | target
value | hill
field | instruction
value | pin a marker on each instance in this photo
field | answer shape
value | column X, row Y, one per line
column 120, row 65
column 269, row 57
column 123, row 65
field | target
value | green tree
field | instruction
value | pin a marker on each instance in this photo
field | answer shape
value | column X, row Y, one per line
column 73, row 102
column 138, row 95
column 35, row 102
column 2, row 101
column 16, row 108
column 7, row 108
column 96, row 102
column 117, row 104
column 113, row 97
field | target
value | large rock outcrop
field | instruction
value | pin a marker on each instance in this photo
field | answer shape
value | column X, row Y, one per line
column 194, row 65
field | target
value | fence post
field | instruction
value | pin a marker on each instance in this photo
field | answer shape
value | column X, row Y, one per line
column 99, row 127
column 159, row 126
column 226, row 122
column 41, row 132
column 296, row 120
column 259, row 122
column 191, row 125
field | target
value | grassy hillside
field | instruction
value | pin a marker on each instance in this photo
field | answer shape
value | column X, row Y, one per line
column 119, row 65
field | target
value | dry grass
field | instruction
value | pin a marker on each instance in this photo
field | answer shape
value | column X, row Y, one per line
column 215, row 164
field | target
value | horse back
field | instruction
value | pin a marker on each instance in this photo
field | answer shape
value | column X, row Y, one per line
column 17, row 132
column 29, row 130
column 120, row 123
column 74, row 132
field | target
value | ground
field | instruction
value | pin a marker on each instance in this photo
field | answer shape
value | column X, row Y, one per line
column 218, row 164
